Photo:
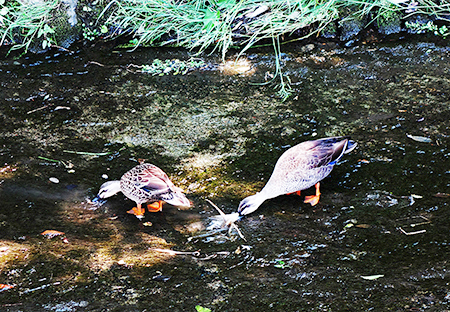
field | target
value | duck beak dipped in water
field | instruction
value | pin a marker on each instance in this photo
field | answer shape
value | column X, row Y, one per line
column 300, row 168
column 145, row 183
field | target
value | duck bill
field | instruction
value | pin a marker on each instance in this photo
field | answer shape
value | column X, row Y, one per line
column 98, row 201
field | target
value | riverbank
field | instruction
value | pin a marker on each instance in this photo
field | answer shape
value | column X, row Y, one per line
column 199, row 25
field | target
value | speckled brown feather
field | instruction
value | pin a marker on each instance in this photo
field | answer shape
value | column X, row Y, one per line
column 147, row 183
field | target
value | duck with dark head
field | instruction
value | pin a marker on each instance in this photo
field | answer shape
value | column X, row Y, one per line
column 299, row 168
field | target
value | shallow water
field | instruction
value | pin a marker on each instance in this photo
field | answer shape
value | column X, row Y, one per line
column 378, row 240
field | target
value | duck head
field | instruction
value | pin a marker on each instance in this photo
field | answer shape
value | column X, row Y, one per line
column 250, row 204
column 108, row 189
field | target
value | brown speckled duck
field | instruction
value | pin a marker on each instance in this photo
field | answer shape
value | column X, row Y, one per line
column 145, row 183
column 299, row 168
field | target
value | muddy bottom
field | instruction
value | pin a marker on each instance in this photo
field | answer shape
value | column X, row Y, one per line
column 377, row 241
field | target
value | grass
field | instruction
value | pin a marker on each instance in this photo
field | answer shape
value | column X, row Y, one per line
column 23, row 23
column 219, row 25
column 222, row 24
column 201, row 25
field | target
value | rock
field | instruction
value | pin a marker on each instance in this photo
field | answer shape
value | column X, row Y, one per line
column 389, row 24
column 330, row 31
column 307, row 48
column 350, row 28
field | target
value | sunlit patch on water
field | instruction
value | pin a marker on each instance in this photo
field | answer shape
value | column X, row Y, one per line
column 10, row 251
column 241, row 66
column 217, row 230
column 222, row 221
column 203, row 161
column 385, row 199
column 66, row 306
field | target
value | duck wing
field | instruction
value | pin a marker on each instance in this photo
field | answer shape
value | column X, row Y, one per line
column 152, row 179
column 313, row 154
column 327, row 152
column 158, row 185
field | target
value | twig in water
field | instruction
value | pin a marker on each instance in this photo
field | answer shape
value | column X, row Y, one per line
column 61, row 48
column 174, row 252
column 227, row 220
column 422, row 221
column 37, row 109
column 412, row 233
column 93, row 154
column 94, row 63
column 195, row 254
column 68, row 165
column 39, row 288
column 425, row 220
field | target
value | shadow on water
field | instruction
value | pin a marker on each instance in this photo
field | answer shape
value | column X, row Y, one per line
column 378, row 240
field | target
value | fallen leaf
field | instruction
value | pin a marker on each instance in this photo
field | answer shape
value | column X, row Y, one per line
column 441, row 195
column 54, row 180
column 52, row 233
column 419, row 138
column 61, row 107
column 372, row 277
column 199, row 308
column 5, row 287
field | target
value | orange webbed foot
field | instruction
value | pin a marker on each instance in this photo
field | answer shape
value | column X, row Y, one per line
column 137, row 211
column 155, row 207
column 313, row 199
column 296, row 193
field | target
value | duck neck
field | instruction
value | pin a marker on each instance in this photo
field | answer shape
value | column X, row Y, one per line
column 111, row 188
column 115, row 186
column 266, row 193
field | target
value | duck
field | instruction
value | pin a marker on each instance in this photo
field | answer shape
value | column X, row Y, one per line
column 145, row 183
column 299, row 168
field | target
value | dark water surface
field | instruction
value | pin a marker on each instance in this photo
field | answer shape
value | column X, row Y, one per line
column 377, row 241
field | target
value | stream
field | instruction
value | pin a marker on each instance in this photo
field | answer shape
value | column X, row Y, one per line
column 377, row 241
